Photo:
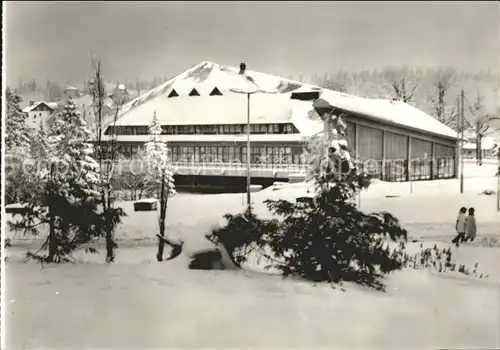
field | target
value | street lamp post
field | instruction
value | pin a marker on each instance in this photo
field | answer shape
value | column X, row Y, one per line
column 248, row 151
column 462, row 126
column 254, row 89
column 498, row 179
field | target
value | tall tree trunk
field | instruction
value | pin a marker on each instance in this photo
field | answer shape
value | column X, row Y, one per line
column 479, row 149
column 110, row 243
column 163, row 206
column 52, row 237
column 110, row 246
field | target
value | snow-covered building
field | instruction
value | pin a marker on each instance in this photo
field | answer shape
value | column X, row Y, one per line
column 203, row 112
column 38, row 111
column 85, row 105
column 488, row 145
column 117, row 92
column 71, row 91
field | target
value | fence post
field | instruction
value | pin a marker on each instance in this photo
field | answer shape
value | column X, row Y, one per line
column 433, row 157
column 408, row 160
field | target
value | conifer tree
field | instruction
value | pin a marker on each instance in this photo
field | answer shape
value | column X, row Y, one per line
column 65, row 188
column 71, row 149
column 327, row 238
column 159, row 168
column 17, row 148
column 16, row 130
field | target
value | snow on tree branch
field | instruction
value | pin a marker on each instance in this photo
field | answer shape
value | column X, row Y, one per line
column 158, row 156
column 72, row 153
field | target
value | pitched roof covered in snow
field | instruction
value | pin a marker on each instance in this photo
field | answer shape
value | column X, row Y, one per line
column 112, row 88
column 387, row 111
column 51, row 105
column 230, row 108
column 69, row 87
column 176, row 103
column 207, row 75
column 487, row 143
column 85, row 100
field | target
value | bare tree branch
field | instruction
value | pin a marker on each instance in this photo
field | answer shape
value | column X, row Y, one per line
column 105, row 151
column 442, row 85
column 403, row 83
column 480, row 121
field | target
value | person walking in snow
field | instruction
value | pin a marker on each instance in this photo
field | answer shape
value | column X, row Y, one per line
column 470, row 226
column 460, row 227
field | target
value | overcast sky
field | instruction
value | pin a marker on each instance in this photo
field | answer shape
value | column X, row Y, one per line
column 149, row 39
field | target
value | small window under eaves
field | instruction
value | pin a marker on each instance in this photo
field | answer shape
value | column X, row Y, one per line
column 216, row 92
column 173, row 93
column 305, row 95
column 194, row 92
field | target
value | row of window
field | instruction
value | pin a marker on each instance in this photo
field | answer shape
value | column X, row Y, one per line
column 206, row 129
column 194, row 92
column 260, row 155
column 228, row 154
column 34, row 115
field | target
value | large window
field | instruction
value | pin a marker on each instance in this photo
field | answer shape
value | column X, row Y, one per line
column 230, row 129
column 370, row 143
column 254, row 155
column 175, row 153
column 244, row 155
column 265, row 155
column 197, row 150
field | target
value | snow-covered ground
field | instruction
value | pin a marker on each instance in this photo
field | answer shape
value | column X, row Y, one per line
column 138, row 303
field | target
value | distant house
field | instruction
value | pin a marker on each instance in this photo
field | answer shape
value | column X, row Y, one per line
column 117, row 93
column 487, row 147
column 38, row 112
column 71, row 91
column 488, row 143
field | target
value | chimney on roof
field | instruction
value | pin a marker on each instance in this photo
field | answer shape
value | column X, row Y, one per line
column 243, row 68
column 32, row 103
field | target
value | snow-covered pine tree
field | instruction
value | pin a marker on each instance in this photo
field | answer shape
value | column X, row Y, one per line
column 65, row 189
column 330, row 162
column 71, row 149
column 329, row 238
column 159, row 167
column 17, row 148
column 36, row 165
column 40, row 147
column 17, row 133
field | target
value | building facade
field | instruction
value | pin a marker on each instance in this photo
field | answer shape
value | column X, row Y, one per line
column 395, row 141
column 206, row 130
column 38, row 112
